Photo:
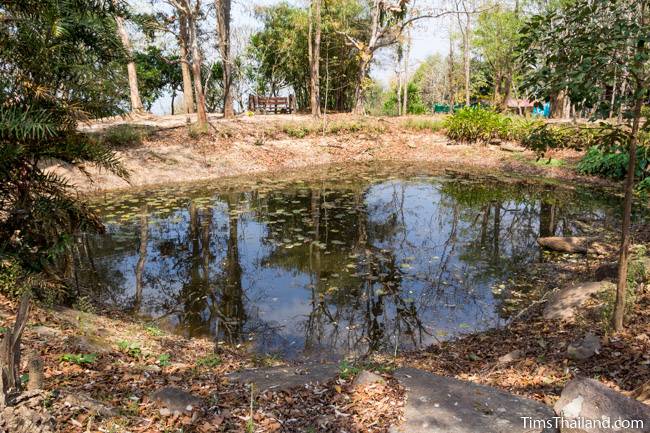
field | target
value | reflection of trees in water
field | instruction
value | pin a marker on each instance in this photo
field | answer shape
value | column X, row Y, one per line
column 354, row 308
column 365, row 249
column 142, row 259
column 228, row 305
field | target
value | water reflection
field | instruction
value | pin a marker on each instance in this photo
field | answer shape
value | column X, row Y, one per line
column 332, row 267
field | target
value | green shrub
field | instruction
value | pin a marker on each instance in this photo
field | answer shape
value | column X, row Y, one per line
column 520, row 128
column 611, row 163
column 477, row 124
column 164, row 360
column 131, row 349
column 600, row 162
column 12, row 278
column 543, row 137
column 348, row 370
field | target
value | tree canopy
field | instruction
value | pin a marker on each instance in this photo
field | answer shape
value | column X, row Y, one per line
column 43, row 103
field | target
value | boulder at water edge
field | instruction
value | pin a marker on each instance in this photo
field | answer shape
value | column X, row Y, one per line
column 585, row 400
column 569, row 244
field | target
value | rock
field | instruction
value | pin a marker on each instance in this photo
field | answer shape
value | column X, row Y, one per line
column 95, row 407
column 45, row 332
column 639, row 269
column 585, row 348
column 606, row 271
column 563, row 304
column 175, row 400
column 591, row 400
column 438, row 404
column 509, row 147
column 87, row 344
column 286, row 377
column 510, row 357
column 571, row 244
column 365, row 378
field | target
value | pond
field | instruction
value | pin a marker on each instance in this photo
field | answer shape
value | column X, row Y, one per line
column 362, row 258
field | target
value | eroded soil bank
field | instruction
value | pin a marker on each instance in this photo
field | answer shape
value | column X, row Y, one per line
column 169, row 152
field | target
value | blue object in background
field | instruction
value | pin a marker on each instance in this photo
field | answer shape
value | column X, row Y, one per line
column 543, row 110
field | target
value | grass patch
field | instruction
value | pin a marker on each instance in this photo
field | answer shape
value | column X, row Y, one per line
column 551, row 162
column 79, row 359
column 351, row 126
column 125, row 135
column 197, row 130
column 209, row 361
column 423, row 124
column 154, row 331
column 349, row 370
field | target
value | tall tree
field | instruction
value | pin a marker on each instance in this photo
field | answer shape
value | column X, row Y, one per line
column 464, row 16
column 386, row 24
column 136, row 102
column 496, row 38
column 314, row 56
column 223, row 30
column 407, row 54
column 279, row 52
column 575, row 49
column 190, row 10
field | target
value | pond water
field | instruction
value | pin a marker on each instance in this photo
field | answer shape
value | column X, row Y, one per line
column 357, row 259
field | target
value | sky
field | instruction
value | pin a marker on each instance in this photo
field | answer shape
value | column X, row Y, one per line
column 429, row 36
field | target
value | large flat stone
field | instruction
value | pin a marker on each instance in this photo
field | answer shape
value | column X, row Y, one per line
column 286, row 377
column 438, row 404
column 565, row 303
column 588, row 399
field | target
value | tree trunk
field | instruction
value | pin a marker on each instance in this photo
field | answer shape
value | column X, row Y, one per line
column 314, row 55
column 507, row 89
column 452, row 91
column 223, row 8
column 398, row 73
column 466, row 58
column 405, row 95
column 621, row 287
column 136, row 102
column 558, row 105
column 183, row 44
column 202, row 119
column 10, row 355
column 358, row 91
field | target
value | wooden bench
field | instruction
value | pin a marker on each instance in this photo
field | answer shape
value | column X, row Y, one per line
column 271, row 104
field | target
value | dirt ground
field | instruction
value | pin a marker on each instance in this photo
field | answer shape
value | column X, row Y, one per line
column 274, row 143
